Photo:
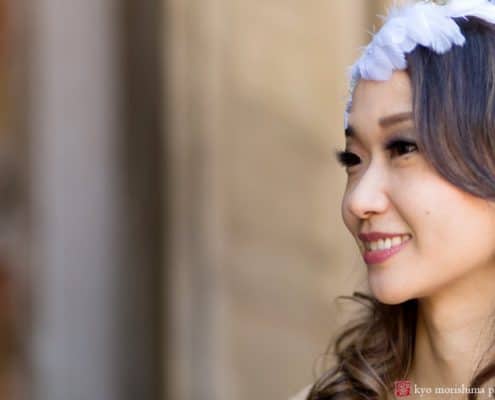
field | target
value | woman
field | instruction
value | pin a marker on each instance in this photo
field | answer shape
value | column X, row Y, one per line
column 420, row 203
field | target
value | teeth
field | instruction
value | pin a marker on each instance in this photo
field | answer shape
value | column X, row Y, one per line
column 384, row 244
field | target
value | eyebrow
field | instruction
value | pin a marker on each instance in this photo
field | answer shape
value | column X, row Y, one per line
column 384, row 122
column 395, row 119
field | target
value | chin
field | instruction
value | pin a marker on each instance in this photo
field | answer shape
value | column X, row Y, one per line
column 390, row 293
column 390, row 298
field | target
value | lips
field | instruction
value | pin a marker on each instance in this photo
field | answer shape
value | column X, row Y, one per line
column 378, row 256
column 373, row 236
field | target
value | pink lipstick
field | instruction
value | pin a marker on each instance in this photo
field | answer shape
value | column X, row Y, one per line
column 378, row 256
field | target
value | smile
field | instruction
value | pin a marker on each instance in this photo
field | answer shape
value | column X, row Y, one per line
column 380, row 250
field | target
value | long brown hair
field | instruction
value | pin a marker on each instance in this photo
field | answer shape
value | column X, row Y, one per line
column 454, row 112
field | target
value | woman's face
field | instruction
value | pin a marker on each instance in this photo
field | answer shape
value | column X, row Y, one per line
column 440, row 234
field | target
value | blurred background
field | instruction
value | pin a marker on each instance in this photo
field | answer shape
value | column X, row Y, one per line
column 169, row 200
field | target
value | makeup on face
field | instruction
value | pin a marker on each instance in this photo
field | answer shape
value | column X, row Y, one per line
column 377, row 247
column 399, row 142
column 397, row 139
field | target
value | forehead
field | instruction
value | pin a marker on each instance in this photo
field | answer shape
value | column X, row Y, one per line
column 373, row 100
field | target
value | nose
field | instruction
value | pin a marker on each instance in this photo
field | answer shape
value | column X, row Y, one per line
column 368, row 196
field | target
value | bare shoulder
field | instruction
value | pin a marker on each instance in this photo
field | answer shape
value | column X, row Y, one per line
column 303, row 394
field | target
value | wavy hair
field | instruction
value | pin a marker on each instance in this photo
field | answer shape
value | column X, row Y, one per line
column 454, row 114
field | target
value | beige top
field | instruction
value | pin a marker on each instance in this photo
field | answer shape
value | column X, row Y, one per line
column 302, row 394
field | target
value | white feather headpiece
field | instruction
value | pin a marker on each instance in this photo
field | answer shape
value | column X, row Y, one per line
column 427, row 23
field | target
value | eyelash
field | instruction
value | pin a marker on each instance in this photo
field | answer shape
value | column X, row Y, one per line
column 348, row 159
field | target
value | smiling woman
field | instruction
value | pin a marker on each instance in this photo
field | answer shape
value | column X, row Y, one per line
column 393, row 193
column 420, row 203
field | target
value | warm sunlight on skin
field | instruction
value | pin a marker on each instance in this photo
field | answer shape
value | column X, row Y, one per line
column 396, row 191
column 449, row 262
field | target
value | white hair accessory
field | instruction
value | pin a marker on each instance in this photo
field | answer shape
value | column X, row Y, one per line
column 427, row 23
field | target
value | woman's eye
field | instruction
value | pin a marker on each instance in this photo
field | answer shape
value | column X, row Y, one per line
column 400, row 147
column 397, row 147
column 347, row 159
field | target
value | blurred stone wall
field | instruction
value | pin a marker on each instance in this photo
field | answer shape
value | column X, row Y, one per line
column 257, row 251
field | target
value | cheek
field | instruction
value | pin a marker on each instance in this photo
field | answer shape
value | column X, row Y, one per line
column 454, row 231
column 429, row 204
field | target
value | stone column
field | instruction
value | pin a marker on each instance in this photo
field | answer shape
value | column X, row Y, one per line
column 256, row 92
column 94, row 143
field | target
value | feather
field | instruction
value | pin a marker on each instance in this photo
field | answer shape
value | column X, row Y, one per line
column 426, row 24
column 416, row 23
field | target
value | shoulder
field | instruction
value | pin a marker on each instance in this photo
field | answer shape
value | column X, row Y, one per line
column 302, row 394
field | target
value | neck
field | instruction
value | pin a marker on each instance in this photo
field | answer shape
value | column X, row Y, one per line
column 453, row 331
